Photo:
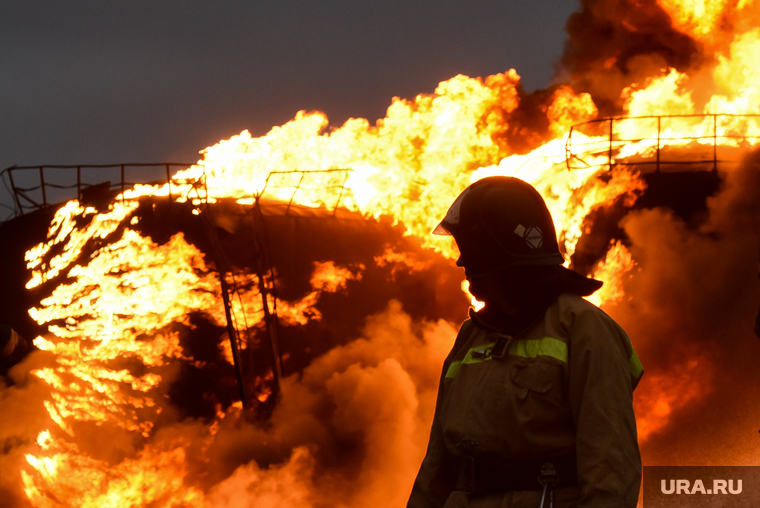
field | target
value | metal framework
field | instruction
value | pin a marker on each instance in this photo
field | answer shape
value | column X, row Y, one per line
column 36, row 196
column 42, row 193
column 302, row 176
column 718, row 133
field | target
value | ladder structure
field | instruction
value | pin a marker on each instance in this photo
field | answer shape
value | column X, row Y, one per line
column 258, row 387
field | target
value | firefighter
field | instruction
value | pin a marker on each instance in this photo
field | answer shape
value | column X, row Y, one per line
column 535, row 401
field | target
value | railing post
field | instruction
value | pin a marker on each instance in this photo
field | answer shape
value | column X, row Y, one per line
column 659, row 118
column 715, row 142
column 233, row 334
column 169, row 183
column 292, row 196
column 15, row 192
column 79, row 184
column 567, row 147
column 609, row 155
column 42, row 186
column 122, row 184
column 340, row 194
column 205, row 187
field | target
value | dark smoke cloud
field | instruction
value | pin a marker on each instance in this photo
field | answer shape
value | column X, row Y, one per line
column 615, row 43
column 690, row 308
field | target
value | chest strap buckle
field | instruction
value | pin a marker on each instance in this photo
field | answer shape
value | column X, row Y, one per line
column 499, row 349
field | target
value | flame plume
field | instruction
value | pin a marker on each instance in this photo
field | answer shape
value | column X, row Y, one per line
column 135, row 372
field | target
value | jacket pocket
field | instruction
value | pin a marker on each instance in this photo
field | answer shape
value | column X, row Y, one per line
column 537, row 377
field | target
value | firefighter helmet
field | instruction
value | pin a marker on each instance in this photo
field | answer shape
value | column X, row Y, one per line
column 501, row 221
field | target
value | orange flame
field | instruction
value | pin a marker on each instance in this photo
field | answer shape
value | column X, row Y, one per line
column 612, row 271
column 153, row 479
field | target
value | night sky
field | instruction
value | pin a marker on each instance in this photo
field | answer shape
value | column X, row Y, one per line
column 90, row 82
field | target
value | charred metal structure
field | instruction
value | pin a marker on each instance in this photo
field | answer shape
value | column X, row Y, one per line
column 266, row 248
column 680, row 173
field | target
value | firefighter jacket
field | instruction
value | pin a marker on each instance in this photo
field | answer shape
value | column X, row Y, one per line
column 561, row 388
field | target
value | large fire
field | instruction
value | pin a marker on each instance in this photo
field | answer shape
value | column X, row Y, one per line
column 349, row 424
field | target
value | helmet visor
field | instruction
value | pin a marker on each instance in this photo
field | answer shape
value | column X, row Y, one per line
column 440, row 229
column 452, row 215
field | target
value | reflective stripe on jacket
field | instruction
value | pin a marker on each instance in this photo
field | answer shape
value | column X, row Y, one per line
column 564, row 386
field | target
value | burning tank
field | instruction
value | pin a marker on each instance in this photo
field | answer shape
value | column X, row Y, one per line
column 267, row 328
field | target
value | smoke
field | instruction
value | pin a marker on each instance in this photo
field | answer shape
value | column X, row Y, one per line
column 284, row 485
column 350, row 430
column 690, row 308
column 355, row 423
column 23, row 413
column 616, row 43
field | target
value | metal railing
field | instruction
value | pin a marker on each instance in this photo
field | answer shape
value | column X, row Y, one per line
column 36, row 187
column 318, row 186
column 712, row 131
column 324, row 183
